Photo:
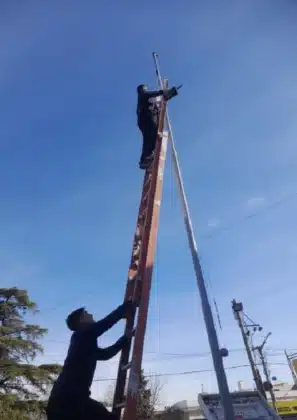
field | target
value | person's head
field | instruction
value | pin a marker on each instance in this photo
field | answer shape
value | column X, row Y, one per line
column 141, row 88
column 79, row 319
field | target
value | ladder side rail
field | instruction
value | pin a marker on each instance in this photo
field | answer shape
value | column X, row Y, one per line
column 147, row 269
column 129, row 293
column 206, row 308
column 153, row 203
column 134, row 282
column 138, row 237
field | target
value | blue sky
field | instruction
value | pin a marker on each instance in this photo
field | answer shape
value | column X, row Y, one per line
column 71, row 184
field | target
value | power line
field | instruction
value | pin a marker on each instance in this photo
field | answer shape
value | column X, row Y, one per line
column 185, row 373
column 65, row 302
column 190, row 372
column 262, row 210
column 208, row 236
column 272, row 352
column 201, row 354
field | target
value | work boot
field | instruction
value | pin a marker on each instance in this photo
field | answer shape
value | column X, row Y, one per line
column 145, row 163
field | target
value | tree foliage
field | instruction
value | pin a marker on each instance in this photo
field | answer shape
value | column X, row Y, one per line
column 147, row 400
column 12, row 408
column 108, row 396
column 21, row 382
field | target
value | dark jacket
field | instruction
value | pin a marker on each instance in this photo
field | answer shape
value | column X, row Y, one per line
column 78, row 371
column 147, row 105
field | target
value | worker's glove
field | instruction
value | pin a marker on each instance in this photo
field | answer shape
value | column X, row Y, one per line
column 174, row 91
column 170, row 93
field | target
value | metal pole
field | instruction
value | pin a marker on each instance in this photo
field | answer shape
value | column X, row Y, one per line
column 237, row 310
column 206, row 308
column 265, row 370
column 289, row 360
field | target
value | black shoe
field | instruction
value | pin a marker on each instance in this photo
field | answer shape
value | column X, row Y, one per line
column 145, row 163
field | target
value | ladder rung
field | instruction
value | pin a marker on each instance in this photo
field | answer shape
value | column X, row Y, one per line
column 141, row 219
column 144, row 202
column 134, row 266
column 147, row 191
column 127, row 366
column 137, row 248
column 121, row 404
column 142, row 214
column 147, row 188
column 136, row 253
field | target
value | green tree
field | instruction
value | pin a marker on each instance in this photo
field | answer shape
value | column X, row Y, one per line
column 108, row 396
column 148, row 397
column 22, row 383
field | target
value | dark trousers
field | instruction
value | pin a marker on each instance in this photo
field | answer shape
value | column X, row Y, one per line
column 73, row 409
column 149, row 128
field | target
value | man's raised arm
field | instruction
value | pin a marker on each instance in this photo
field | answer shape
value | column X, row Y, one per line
column 109, row 352
column 152, row 93
column 124, row 310
column 166, row 93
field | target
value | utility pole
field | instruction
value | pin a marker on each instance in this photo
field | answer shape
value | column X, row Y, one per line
column 217, row 352
column 238, row 314
column 265, row 370
column 289, row 358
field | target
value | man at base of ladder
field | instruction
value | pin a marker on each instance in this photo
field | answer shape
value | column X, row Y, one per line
column 148, row 111
column 70, row 396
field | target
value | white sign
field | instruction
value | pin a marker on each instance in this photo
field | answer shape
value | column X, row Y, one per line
column 247, row 406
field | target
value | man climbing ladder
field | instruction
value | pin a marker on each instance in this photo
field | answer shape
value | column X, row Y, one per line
column 148, row 112
column 70, row 396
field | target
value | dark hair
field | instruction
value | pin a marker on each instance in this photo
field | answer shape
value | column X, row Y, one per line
column 73, row 318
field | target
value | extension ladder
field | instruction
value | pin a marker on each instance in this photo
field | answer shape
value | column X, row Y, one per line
column 140, row 276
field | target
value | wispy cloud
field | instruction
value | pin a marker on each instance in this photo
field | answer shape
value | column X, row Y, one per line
column 254, row 203
column 213, row 223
